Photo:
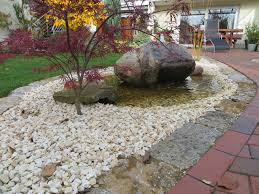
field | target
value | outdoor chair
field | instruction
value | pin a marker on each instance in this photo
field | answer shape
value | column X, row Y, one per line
column 212, row 35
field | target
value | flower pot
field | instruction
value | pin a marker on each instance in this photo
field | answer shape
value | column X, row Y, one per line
column 251, row 47
column 246, row 44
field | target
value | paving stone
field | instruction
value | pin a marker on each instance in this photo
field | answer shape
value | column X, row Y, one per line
column 184, row 147
column 231, row 142
column 21, row 91
column 234, row 183
column 254, row 150
column 256, row 132
column 245, row 166
column 252, row 112
column 255, row 184
column 218, row 120
column 211, row 166
column 189, row 185
column 254, row 140
column 245, row 125
column 254, row 103
column 8, row 102
column 245, row 152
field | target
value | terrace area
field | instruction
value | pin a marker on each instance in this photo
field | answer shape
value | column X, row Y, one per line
column 231, row 165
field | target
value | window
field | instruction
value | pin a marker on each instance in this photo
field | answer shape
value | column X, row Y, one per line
column 227, row 19
column 188, row 23
column 195, row 19
column 226, row 16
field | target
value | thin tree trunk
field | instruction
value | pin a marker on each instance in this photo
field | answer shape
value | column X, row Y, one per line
column 77, row 101
column 78, row 105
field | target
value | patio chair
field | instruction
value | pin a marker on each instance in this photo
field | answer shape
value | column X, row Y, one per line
column 212, row 34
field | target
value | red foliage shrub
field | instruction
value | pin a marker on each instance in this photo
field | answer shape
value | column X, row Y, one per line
column 93, row 75
column 58, row 43
column 41, row 44
column 70, row 84
column 20, row 41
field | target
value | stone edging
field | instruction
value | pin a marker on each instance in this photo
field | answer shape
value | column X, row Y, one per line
column 15, row 96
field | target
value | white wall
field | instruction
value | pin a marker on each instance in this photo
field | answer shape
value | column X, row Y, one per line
column 248, row 13
column 6, row 6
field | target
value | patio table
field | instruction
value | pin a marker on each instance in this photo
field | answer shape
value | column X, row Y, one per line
column 231, row 34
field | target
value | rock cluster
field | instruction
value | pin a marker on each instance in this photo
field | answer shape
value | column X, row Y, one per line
column 39, row 132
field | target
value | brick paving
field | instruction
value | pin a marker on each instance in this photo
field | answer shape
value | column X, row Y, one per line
column 232, row 164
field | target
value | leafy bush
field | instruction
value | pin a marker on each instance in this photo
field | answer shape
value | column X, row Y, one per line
column 58, row 43
column 20, row 41
column 252, row 33
column 112, row 80
column 4, row 20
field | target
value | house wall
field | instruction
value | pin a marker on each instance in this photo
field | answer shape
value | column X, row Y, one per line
column 6, row 6
column 248, row 10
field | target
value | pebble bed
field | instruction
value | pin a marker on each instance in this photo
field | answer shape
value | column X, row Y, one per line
column 39, row 132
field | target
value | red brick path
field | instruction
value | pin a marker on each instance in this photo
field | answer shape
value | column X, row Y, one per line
column 232, row 164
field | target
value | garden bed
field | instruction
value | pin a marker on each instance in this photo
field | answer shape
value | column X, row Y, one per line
column 39, row 132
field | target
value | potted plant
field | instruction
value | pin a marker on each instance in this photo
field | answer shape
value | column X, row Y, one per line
column 252, row 36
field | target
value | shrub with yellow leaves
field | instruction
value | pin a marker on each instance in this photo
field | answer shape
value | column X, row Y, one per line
column 78, row 12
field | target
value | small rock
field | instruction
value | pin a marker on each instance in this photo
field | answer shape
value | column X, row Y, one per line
column 92, row 181
column 48, row 170
column 146, row 158
column 197, row 71
column 68, row 190
column 53, row 190
column 4, row 178
column 121, row 156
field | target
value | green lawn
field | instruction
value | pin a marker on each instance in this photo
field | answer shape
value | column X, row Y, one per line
column 18, row 71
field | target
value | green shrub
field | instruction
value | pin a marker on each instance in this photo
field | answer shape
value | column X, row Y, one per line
column 252, row 33
column 112, row 80
column 4, row 20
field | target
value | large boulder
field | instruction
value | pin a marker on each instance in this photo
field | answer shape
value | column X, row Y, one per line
column 153, row 63
column 91, row 94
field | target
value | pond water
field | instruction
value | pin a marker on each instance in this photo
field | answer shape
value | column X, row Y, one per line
column 194, row 88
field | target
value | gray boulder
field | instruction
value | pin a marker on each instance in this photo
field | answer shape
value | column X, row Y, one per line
column 154, row 63
column 91, row 94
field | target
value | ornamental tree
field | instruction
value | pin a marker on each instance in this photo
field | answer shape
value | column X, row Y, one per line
column 76, row 17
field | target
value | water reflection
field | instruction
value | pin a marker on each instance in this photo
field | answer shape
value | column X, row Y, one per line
column 193, row 88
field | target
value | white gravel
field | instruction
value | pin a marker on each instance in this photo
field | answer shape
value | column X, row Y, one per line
column 39, row 131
